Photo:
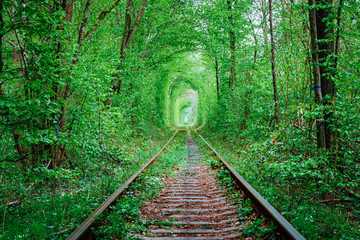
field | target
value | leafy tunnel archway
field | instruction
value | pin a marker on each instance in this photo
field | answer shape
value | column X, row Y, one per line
column 190, row 91
column 185, row 108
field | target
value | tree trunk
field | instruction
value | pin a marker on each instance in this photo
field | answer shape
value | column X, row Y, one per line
column 217, row 78
column 129, row 32
column 58, row 152
column 19, row 147
column 2, row 93
column 68, row 10
column 232, row 77
column 264, row 24
column 127, row 28
column 276, row 116
column 320, row 127
column 326, row 48
column 337, row 41
column 322, row 44
column 83, row 24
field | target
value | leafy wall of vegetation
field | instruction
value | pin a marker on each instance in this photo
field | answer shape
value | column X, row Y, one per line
column 86, row 86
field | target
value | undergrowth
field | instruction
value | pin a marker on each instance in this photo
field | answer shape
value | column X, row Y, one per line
column 253, row 224
column 317, row 192
column 49, row 203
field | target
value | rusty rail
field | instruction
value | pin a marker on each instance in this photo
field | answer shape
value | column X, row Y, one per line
column 83, row 229
column 286, row 228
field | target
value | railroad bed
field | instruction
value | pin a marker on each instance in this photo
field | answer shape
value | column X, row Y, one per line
column 194, row 205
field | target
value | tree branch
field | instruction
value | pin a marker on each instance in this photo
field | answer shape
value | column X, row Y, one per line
column 169, row 56
column 101, row 17
column 83, row 23
column 335, row 201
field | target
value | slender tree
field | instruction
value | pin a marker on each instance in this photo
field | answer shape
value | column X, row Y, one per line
column 2, row 93
column 316, row 73
column 232, row 76
column 276, row 115
column 129, row 32
column 217, row 77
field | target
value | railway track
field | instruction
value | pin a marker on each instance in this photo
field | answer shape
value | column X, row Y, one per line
column 193, row 205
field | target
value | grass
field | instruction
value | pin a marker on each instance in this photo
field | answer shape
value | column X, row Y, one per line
column 296, row 185
column 51, row 203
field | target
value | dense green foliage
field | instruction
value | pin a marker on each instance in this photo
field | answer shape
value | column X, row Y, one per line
column 88, row 88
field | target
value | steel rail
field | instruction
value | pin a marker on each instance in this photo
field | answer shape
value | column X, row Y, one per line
column 81, row 231
column 287, row 229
